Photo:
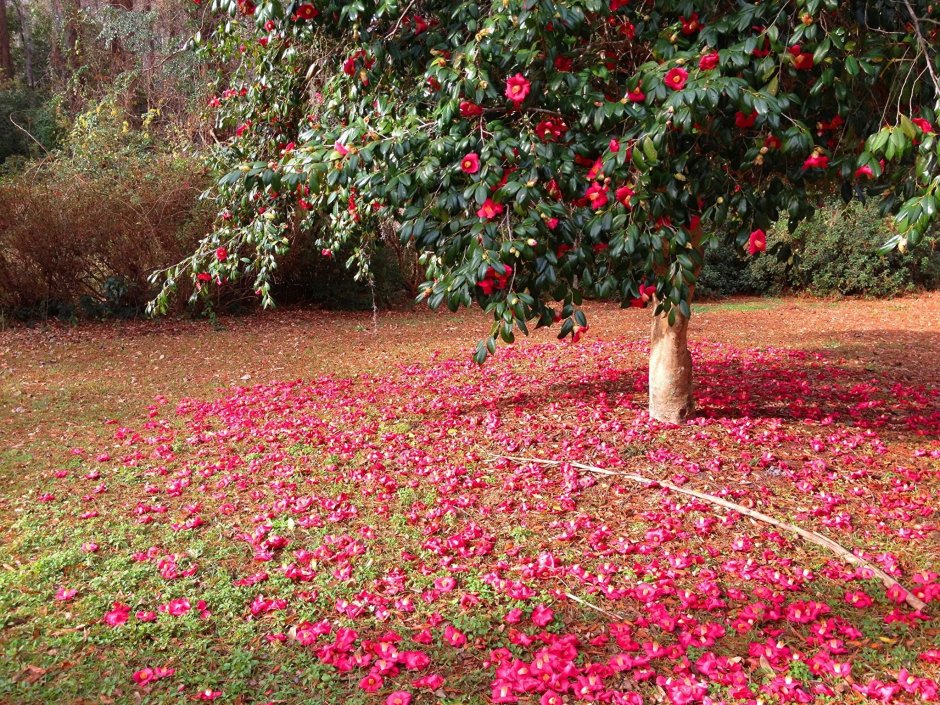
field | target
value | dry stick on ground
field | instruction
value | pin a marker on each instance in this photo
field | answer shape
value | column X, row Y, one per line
column 810, row 536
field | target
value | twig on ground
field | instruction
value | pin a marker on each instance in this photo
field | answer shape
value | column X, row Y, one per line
column 577, row 599
column 811, row 536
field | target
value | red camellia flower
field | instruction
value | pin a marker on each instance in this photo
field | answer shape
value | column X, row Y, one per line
column 691, row 25
column 551, row 129
column 744, row 121
column 647, row 292
column 923, row 124
column 623, row 195
column 596, row 196
column 517, row 88
column 709, row 61
column 469, row 109
column 470, row 163
column 306, row 12
column 864, row 171
column 563, row 64
column 801, row 60
column 490, row 209
column 772, row 142
column 816, row 161
column 676, row 78
column 757, row 242
column 636, row 95
column 221, row 254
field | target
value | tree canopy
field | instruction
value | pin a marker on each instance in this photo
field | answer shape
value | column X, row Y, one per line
column 537, row 152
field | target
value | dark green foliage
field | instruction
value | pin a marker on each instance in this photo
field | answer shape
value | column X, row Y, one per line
column 725, row 272
column 23, row 110
column 307, row 276
column 836, row 253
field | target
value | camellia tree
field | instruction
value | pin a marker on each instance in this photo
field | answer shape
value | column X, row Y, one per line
column 538, row 152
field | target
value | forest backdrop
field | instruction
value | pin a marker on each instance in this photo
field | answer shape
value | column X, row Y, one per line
column 107, row 168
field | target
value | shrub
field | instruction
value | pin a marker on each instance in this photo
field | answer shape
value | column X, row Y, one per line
column 725, row 272
column 834, row 252
column 81, row 232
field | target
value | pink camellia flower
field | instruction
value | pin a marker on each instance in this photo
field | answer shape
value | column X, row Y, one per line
column 709, row 61
column 65, row 594
column 676, row 78
column 490, row 209
column 118, row 615
column 177, row 607
column 454, row 636
column 859, row 599
column 446, row 583
column 757, row 242
column 614, row 146
column 432, row 681
column 816, row 161
column 470, row 163
column 399, row 697
column 146, row 616
column 415, row 660
column 342, row 149
column 90, row 547
column 208, row 694
column 513, row 616
column 517, row 88
column 542, row 615
column 371, row 683
column 636, row 95
column 144, row 676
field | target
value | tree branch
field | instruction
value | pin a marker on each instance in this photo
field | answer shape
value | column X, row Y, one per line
column 811, row 536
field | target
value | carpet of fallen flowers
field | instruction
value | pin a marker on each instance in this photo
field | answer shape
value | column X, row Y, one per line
column 360, row 536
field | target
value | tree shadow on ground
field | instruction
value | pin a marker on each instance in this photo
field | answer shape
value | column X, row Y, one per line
column 883, row 380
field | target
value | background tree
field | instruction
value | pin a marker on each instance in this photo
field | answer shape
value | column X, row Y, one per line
column 538, row 152
column 6, row 56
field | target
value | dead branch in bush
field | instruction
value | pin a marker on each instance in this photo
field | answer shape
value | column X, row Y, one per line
column 811, row 536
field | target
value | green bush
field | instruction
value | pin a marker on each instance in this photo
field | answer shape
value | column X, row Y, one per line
column 725, row 272
column 833, row 253
column 22, row 111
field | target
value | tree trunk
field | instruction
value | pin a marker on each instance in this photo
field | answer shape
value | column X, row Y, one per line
column 26, row 36
column 6, row 56
column 670, row 370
